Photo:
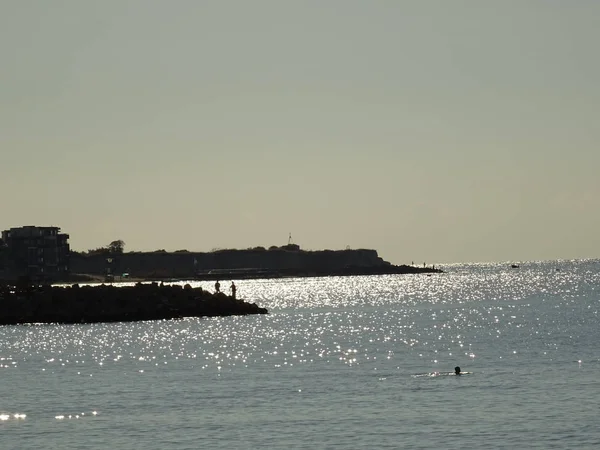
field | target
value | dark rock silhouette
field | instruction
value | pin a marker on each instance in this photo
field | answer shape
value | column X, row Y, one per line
column 88, row 304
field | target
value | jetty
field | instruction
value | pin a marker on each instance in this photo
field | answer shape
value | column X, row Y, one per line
column 29, row 304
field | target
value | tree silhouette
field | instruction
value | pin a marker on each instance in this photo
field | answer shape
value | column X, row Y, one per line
column 116, row 246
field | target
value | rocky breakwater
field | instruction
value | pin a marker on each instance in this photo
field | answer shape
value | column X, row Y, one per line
column 106, row 303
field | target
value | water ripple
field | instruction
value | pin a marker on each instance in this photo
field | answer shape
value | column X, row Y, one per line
column 333, row 350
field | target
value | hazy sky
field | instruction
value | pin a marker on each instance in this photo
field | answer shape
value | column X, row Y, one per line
column 438, row 131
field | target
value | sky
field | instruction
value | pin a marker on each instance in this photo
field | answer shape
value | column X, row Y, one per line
column 431, row 131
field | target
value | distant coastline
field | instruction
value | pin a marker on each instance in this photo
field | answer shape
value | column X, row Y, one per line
column 288, row 261
column 42, row 254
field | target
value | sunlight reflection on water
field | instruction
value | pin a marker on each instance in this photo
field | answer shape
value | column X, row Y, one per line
column 328, row 345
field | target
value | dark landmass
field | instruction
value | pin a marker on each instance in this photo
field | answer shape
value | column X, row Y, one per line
column 105, row 303
column 241, row 274
column 275, row 262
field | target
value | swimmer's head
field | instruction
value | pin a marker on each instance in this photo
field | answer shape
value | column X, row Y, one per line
column 457, row 370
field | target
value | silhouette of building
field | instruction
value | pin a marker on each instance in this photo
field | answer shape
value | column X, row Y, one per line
column 3, row 260
column 37, row 253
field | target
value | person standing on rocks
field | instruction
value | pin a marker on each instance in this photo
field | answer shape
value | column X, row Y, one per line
column 217, row 287
column 233, row 289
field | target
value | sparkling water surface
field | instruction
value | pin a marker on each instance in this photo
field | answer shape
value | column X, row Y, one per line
column 340, row 362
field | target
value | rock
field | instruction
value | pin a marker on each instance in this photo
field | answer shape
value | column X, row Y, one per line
column 106, row 303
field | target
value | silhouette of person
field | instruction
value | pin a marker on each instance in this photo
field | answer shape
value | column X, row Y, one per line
column 457, row 370
column 217, row 287
column 233, row 289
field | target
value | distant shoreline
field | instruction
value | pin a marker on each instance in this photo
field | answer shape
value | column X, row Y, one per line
column 257, row 274
column 259, row 262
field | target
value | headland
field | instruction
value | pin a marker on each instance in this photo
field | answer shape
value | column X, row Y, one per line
column 259, row 262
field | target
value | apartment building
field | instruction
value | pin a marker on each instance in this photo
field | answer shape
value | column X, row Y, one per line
column 38, row 253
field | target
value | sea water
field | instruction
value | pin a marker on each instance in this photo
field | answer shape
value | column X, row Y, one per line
column 339, row 363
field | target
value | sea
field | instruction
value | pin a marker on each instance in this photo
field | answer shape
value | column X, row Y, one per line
column 338, row 363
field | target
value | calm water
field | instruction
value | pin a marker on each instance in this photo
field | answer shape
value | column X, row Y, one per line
column 345, row 363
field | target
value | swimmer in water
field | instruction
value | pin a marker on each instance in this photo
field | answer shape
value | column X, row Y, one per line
column 457, row 370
